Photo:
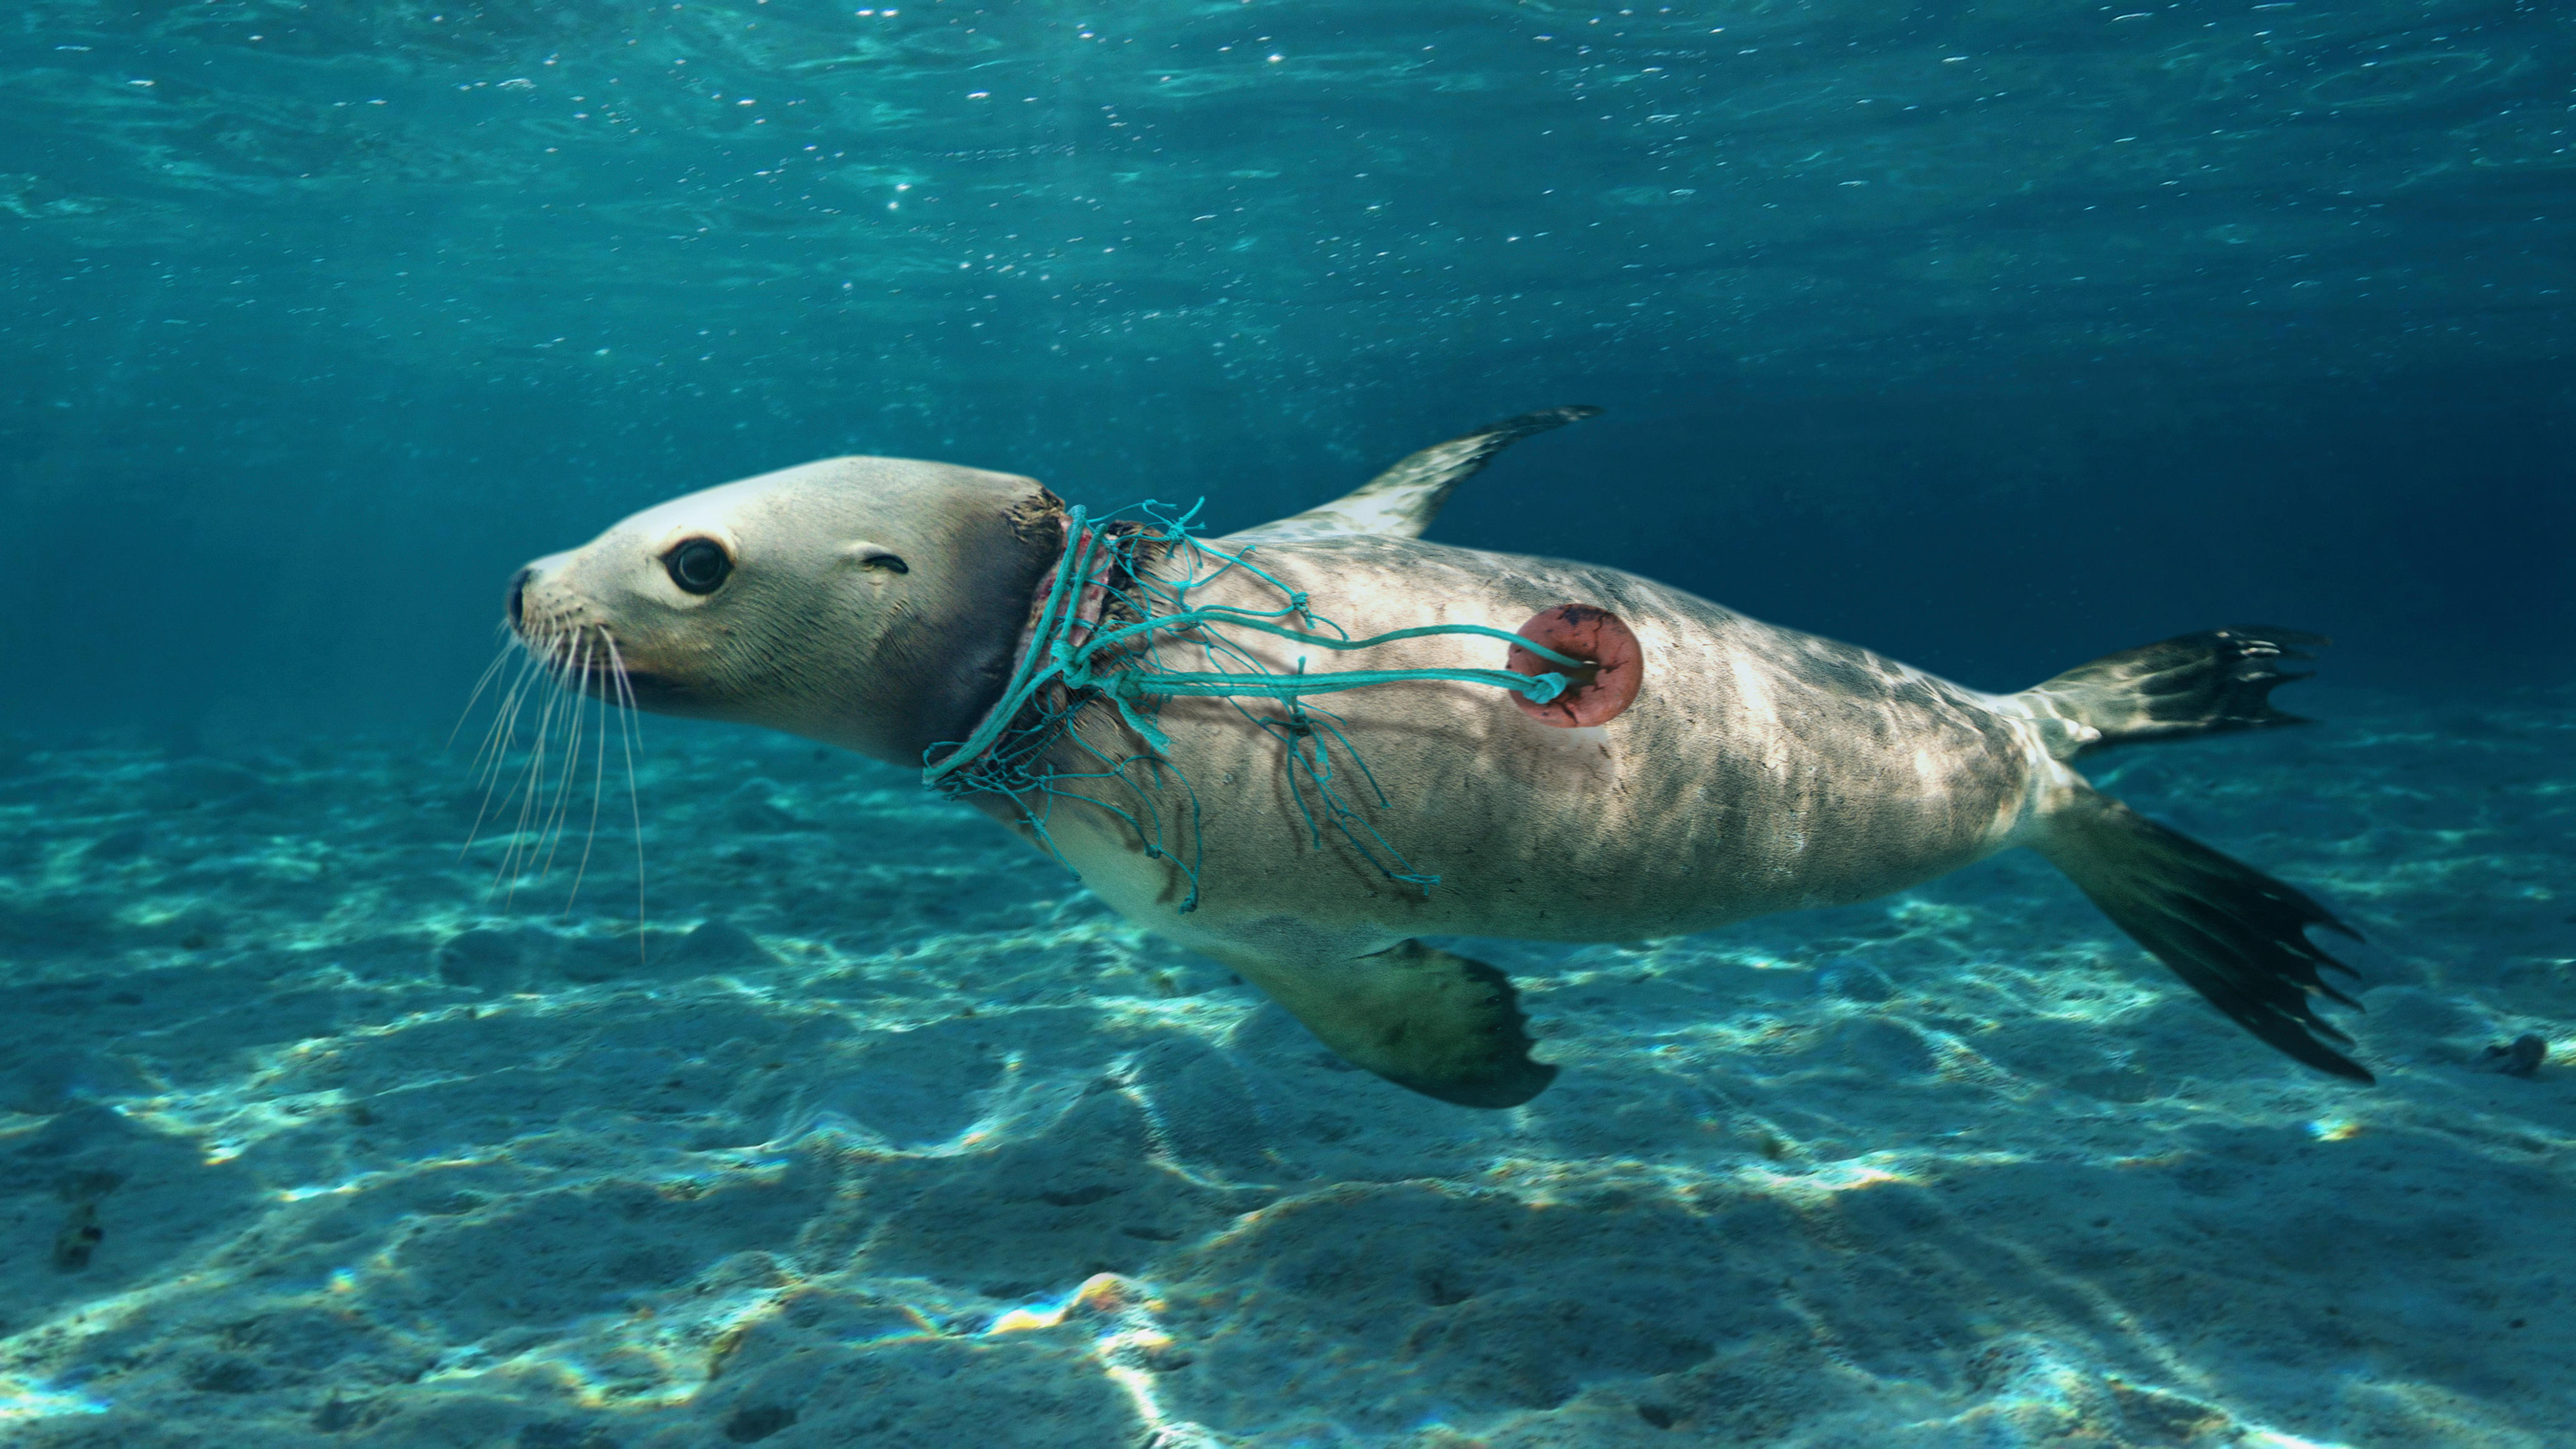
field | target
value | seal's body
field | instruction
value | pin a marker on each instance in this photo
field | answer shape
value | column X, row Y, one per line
column 1758, row 770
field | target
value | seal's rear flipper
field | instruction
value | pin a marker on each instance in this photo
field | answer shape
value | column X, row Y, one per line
column 2233, row 934
column 1443, row 1025
column 2206, row 683
column 1401, row 502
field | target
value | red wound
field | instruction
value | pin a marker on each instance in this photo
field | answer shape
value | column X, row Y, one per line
column 1613, row 665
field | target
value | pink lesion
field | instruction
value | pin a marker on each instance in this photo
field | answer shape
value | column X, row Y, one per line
column 1612, row 673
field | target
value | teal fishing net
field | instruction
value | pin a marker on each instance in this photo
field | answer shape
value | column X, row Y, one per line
column 1141, row 576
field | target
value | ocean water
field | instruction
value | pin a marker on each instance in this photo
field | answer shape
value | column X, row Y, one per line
column 777, row 1100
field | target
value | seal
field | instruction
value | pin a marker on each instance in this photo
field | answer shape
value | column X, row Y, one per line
column 1701, row 767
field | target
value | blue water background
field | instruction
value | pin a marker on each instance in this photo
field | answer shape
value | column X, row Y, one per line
column 1994, row 337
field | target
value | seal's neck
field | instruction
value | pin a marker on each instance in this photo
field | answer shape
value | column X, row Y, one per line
column 936, row 678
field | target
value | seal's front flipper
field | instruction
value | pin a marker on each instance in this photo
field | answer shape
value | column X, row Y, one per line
column 2233, row 934
column 2198, row 684
column 1418, row 1016
column 1401, row 502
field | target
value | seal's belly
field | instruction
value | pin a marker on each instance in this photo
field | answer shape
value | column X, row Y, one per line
column 1759, row 770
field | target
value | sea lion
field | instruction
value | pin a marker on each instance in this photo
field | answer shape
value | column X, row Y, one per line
column 885, row 605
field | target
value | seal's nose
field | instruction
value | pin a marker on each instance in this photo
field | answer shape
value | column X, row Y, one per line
column 519, row 587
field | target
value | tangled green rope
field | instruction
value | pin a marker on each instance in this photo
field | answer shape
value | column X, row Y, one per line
column 1006, row 754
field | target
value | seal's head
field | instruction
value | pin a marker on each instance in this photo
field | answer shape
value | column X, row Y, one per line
column 871, row 603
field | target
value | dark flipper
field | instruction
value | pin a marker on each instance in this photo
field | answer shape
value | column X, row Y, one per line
column 2197, row 684
column 1443, row 1025
column 2233, row 934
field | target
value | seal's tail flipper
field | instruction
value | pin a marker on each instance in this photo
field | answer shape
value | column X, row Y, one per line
column 1441, row 1024
column 2233, row 934
column 2198, row 684
column 1401, row 502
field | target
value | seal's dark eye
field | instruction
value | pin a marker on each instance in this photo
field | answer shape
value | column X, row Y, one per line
column 698, row 566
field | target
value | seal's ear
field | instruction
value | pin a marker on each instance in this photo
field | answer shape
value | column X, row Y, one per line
column 873, row 556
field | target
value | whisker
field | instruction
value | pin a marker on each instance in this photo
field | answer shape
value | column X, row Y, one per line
column 549, row 808
column 559, row 813
column 532, row 780
column 598, row 787
column 531, row 679
column 565, row 728
column 498, row 738
column 481, row 684
column 528, row 798
column 496, row 744
column 630, row 731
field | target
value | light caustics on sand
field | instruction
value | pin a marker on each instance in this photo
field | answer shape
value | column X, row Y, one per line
column 1775, row 1105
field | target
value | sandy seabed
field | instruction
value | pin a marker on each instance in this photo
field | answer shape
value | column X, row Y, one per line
column 886, row 1133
